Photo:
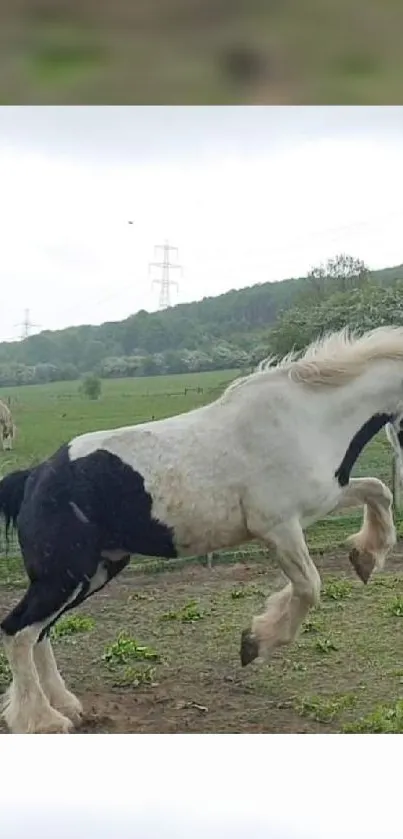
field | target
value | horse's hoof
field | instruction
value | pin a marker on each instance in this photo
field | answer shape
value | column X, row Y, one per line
column 249, row 647
column 363, row 564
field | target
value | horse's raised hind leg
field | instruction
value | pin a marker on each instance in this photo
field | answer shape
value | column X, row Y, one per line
column 286, row 609
column 371, row 545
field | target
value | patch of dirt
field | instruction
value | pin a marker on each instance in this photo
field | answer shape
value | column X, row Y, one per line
column 199, row 684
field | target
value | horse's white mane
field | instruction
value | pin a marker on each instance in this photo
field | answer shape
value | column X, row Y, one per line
column 334, row 359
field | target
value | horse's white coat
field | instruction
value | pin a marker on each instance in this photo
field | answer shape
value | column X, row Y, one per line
column 7, row 427
column 53, row 684
column 25, row 706
column 260, row 461
column 172, row 456
column 391, row 433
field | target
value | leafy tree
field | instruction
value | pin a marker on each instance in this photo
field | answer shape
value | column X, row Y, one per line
column 360, row 308
column 91, row 386
column 341, row 273
column 347, row 271
column 149, row 366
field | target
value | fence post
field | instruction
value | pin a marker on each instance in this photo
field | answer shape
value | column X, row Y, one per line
column 396, row 486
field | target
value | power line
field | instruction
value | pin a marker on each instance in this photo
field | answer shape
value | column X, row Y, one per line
column 164, row 281
column 26, row 325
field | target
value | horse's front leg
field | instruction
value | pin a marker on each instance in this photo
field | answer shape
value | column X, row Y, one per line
column 286, row 609
column 371, row 545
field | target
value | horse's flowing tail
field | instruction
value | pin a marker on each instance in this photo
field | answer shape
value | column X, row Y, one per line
column 12, row 489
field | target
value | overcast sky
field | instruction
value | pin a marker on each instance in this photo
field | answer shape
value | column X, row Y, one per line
column 201, row 787
column 246, row 194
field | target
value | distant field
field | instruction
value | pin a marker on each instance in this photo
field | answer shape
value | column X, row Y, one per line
column 201, row 53
column 49, row 415
column 345, row 670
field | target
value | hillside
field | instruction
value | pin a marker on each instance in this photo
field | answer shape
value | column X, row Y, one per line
column 234, row 330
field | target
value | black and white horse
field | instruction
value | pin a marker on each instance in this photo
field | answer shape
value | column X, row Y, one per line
column 271, row 455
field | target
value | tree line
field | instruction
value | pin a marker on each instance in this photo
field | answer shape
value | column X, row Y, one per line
column 234, row 330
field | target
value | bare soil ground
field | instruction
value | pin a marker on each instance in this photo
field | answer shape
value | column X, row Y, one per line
column 347, row 661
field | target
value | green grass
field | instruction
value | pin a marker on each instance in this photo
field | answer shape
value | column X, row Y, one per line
column 395, row 607
column 385, row 719
column 324, row 710
column 326, row 646
column 128, row 662
column 49, row 415
column 189, row 613
column 337, row 589
column 134, row 677
column 126, row 649
column 72, row 625
column 5, row 673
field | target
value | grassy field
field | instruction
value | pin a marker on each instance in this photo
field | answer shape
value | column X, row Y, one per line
column 158, row 650
column 197, row 53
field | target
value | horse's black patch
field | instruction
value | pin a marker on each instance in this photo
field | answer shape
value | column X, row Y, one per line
column 359, row 441
column 112, row 569
column 12, row 489
column 62, row 549
column 113, row 497
column 109, row 494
